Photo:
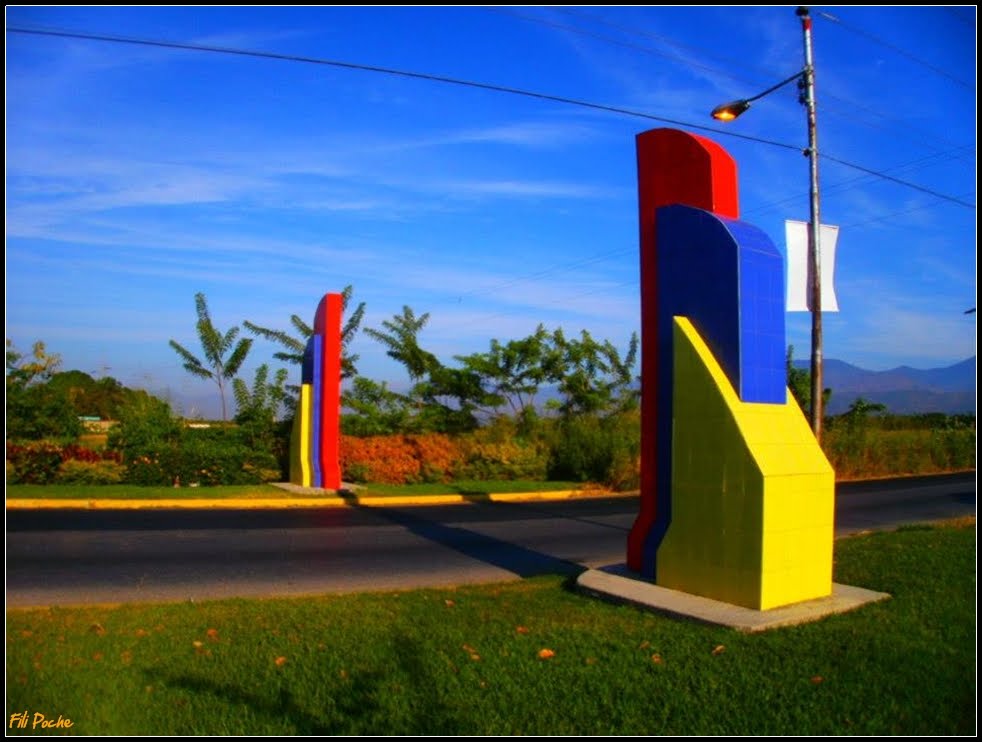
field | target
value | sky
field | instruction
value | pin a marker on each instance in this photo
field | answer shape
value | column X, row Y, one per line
column 140, row 175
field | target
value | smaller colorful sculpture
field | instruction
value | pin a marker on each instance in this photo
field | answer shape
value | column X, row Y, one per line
column 314, row 454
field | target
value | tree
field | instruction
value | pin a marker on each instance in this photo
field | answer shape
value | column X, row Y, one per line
column 223, row 356
column 513, row 372
column 23, row 371
column 295, row 346
column 592, row 376
column 90, row 397
column 36, row 409
column 261, row 405
column 377, row 410
column 800, row 384
column 860, row 409
column 400, row 338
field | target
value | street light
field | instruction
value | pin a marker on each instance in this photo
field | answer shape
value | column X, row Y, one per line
column 728, row 112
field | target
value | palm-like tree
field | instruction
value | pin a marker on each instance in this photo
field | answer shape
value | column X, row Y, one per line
column 399, row 338
column 223, row 356
column 295, row 346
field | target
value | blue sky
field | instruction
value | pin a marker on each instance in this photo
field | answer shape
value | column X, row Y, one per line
column 138, row 176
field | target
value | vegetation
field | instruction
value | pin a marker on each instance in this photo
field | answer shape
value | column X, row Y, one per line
column 481, row 419
column 223, row 356
column 36, row 409
column 295, row 346
column 523, row 658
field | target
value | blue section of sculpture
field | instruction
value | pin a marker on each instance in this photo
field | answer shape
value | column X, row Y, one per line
column 317, row 476
column 727, row 277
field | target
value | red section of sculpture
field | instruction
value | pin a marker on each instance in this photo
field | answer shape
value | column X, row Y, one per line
column 327, row 324
column 674, row 167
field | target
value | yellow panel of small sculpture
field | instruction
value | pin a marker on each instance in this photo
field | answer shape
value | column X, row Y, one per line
column 752, row 492
column 300, row 453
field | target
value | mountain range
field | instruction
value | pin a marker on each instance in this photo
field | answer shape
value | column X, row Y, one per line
column 903, row 390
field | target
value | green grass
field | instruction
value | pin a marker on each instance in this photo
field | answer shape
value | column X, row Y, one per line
column 455, row 661
column 133, row 492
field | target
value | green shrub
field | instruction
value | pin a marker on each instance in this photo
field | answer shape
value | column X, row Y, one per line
column 605, row 450
column 487, row 460
column 74, row 471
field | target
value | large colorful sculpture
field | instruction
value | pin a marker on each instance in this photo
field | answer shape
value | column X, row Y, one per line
column 314, row 455
column 737, row 498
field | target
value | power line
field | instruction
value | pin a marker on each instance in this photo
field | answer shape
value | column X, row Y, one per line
column 390, row 71
column 461, row 82
column 894, row 47
column 845, row 184
column 907, row 183
column 902, row 212
column 900, row 132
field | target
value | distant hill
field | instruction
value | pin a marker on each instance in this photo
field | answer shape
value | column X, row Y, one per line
column 904, row 390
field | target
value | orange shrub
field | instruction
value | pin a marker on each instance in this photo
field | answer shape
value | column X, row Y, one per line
column 438, row 456
column 382, row 459
column 398, row 459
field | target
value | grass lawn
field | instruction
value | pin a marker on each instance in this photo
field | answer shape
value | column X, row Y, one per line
column 253, row 491
column 521, row 658
column 132, row 492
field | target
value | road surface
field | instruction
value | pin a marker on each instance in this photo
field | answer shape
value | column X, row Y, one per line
column 94, row 556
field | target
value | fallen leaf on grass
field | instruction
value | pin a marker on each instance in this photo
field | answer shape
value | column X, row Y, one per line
column 449, row 603
column 817, row 679
column 97, row 628
column 280, row 661
column 212, row 634
column 468, row 648
column 656, row 658
column 141, row 632
column 521, row 629
column 644, row 645
column 545, row 654
column 97, row 656
column 719, row 649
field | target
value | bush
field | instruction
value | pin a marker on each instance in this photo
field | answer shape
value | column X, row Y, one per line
column 438, row 457
column 606, row 450
column 214, row 456
column 487, row 460
column 43, row 462
column 399, row 459
column 74, row 471
column 33, row 463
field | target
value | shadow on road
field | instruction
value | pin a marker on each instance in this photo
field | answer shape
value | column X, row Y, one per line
column 516, row 559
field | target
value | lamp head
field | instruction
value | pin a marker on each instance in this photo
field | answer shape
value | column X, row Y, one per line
column 729, row 111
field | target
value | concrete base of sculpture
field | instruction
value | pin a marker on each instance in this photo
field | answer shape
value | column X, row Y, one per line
column 619, row 584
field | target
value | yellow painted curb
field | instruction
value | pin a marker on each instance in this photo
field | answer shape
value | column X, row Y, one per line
column 306, row 502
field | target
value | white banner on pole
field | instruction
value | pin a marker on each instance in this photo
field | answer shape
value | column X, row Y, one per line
column 799, row 269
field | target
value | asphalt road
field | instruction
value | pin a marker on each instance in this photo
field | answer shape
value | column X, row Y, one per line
column 94, row 556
